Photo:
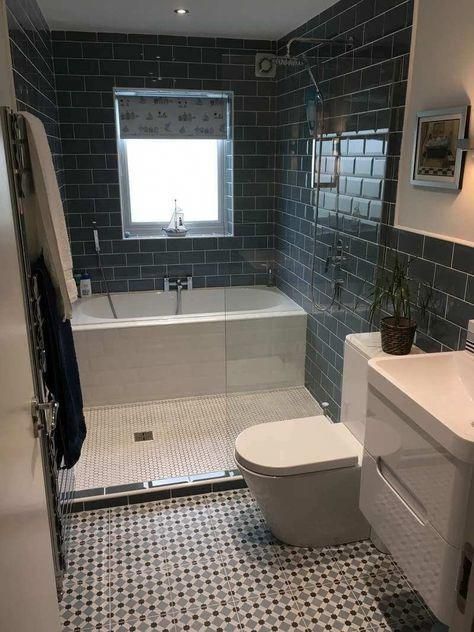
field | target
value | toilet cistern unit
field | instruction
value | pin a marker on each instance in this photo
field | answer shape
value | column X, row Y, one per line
column 305, row 473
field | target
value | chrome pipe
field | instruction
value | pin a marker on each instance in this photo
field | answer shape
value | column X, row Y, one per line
column 349, row 42
column 179, row 290
column 313, row 79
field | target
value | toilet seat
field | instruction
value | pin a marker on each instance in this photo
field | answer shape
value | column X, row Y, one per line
column 297, row 446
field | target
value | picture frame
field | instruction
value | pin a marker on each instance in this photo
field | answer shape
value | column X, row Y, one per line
column 438, row 162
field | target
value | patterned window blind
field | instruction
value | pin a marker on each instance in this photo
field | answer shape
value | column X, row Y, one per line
column 173, row 114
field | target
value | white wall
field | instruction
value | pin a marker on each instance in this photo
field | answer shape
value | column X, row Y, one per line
column 441, row 75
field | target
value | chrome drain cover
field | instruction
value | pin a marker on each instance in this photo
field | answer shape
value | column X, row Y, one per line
column 147, row 435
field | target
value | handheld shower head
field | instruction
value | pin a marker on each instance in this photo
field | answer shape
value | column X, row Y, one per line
column 95, row 232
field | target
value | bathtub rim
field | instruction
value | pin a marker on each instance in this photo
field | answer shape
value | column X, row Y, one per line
column 177, row 319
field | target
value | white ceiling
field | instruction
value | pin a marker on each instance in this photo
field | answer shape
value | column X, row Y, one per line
column 252, row 19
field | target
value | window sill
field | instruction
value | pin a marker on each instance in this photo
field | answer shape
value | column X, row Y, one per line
column 189, row 235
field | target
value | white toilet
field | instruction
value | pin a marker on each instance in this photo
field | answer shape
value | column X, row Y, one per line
column 305, row 473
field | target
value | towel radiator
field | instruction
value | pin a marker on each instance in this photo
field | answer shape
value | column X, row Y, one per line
column 59, row 482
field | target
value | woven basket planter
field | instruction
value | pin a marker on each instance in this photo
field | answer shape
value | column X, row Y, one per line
column 397, row 339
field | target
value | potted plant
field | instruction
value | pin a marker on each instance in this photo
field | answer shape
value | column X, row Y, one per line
column 395, row 294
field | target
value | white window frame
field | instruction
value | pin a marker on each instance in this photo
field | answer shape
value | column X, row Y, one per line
column 154, row 230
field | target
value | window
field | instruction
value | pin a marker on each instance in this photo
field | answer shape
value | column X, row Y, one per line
column 174, row 147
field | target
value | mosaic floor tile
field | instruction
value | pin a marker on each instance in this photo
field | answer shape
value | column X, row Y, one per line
column 94, row 529
column 191, row 435
column 269, row 614
column 234, row 498
column 85, row 604
column 147, row 624
column 124, row 542
column 238, row 536
column 236, row 523
column 83, row 576
column 191, row 542
column 85, row 565
column 388, row 599
column 310, row 567
column 136, row 527
column 252, row 556
column 331, row 608
column 259, row 576
column 362, row 558
column 188, row 505
column 218, row 618
column 199, row 584
column 177, row 532
column 184, row 519
column 231, row 501
column 209, row 563
column 139, row 596
column 144, row 540
column 139, row 563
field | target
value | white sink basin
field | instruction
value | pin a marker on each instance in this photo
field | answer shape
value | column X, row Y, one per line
column 436, row 391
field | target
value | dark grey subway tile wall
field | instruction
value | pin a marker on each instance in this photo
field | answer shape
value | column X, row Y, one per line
column 88, row 66
column 33, row 71
column 364, row 90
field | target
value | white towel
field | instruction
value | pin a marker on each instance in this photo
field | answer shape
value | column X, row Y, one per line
column 44, row 215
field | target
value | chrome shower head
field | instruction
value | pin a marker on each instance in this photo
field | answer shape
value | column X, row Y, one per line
column 266, row 63
column 287, row 60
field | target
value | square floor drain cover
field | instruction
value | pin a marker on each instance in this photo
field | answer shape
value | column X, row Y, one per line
column 143, row 436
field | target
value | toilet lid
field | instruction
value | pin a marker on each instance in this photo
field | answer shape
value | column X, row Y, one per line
column 297, row 446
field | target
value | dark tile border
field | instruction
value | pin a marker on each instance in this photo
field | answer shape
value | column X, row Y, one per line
column 117, row 496
column 87, row 493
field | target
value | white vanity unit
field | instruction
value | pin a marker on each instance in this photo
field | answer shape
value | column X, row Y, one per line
column 417, row 476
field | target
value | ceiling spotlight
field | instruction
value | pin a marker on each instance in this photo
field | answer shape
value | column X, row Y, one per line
column 182, row 11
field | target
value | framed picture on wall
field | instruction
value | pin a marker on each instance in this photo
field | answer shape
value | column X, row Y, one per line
column 437, row 161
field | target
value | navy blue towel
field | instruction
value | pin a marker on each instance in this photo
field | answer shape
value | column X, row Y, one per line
column 62, row 372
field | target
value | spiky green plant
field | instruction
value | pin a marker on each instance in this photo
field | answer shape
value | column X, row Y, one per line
column 392, row 292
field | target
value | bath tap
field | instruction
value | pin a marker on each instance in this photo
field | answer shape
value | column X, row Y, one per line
column 270, row 275
column 178, row 285
column 270, row 278
column 169, row 284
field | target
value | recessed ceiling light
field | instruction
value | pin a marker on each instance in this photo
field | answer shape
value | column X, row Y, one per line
column 182, row 11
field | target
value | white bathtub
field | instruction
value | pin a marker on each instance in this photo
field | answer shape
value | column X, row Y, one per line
column 234, row 339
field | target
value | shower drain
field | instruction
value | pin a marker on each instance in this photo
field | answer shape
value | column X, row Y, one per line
column 147, row 435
